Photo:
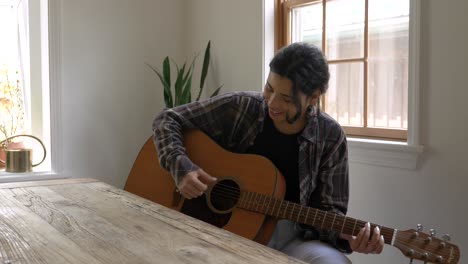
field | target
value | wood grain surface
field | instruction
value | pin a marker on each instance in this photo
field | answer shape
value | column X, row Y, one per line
column 87, row 221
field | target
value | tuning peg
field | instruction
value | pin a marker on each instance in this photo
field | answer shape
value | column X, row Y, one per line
column 446, row 238
column 411, row 261
column 442, row 245
column 419, row 227
column 432, row 232
column 425, row 255
column 428, row 240
column 439, row 259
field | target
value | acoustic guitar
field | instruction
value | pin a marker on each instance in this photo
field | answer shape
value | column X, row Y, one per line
column 247, row 199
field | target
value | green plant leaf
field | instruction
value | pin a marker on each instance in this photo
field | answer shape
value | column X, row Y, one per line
column 216, row 92
column 179, row 85
column 187, row 93
column 167, row 89
column 191, row 68
column 167, row 76
column 206, row 64
column 167, row 71
column 177, row 75
column 183, row 80
column 186, row 96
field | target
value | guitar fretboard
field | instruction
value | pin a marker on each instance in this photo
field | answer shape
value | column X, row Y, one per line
column 319, row 219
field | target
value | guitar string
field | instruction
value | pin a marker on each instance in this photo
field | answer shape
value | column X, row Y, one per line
column 293, row 213
column 405, row 245
column 290, row 211
column 388, row 233
column 348, row 225
column 226, row 192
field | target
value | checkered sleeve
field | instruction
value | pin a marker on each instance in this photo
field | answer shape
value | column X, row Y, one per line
column 168, row 127
column 333, row 177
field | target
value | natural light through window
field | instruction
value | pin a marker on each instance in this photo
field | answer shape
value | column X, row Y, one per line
column 24, row 100
column 368, row 48
column 12, row 111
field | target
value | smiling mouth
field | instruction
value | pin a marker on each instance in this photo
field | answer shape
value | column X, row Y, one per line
column 275, row 113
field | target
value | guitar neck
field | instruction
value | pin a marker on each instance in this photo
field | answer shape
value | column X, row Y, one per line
column 319, row 219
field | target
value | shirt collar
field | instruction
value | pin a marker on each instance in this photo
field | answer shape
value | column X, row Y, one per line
column 310, row 132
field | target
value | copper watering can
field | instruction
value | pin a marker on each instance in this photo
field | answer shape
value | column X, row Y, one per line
column 20, row 159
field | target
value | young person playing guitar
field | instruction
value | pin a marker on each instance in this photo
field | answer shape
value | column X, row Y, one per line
column 285, row 125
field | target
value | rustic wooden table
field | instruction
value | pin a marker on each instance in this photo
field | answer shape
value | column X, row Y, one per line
column 87, row 221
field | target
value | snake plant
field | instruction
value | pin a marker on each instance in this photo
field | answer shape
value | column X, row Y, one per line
column 183, row 84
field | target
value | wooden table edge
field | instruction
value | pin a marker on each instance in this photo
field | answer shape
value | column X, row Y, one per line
column 11, row 185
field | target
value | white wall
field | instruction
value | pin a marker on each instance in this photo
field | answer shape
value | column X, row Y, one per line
column 435, row 194
column 109, row 97
column 235, row 30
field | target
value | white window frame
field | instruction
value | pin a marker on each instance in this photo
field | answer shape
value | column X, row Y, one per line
column 404, row 155
column 51, row 77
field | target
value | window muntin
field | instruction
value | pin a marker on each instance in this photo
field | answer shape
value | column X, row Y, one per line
column 370, row 100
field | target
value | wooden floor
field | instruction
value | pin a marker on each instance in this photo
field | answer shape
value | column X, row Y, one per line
column 87, row 221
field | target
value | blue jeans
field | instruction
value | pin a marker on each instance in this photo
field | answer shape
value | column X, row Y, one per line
column 287, row 239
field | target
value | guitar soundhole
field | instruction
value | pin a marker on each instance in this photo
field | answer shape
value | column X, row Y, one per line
column 216, row 206
column 224, row 195
column 199, row 209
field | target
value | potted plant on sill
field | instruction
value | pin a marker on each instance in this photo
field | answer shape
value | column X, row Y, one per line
column 11, row 111
column 183, row 85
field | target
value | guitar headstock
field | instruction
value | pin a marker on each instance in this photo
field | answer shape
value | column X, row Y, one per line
column 415, row 244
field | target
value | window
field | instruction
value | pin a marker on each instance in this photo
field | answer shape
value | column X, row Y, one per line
column 24, row 75
column 12, row 90
column 367, row 45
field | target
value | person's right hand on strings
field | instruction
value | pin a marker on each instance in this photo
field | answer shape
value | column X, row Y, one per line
column 195, row 183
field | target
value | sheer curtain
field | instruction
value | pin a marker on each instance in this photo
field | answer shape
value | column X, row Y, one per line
column 14, row 68
column 22, row 26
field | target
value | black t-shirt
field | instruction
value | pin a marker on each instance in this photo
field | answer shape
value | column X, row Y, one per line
column 283, row 151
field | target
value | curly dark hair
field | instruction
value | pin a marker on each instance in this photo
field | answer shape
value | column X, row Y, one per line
column 305, row 65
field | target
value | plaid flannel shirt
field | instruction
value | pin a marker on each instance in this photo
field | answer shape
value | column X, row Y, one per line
column 233, row 120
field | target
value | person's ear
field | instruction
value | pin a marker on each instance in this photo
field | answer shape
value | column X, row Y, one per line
column 314, row 98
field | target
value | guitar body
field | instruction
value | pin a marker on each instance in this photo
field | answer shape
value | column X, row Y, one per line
column 238, row 171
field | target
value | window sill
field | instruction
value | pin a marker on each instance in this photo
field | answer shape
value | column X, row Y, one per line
column 384, row 153
column 28, row 176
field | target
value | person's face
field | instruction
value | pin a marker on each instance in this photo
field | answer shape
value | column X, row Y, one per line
column 278, row 92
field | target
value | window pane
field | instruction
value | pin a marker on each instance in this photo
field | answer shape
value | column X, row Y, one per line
column 345, row 29
column 7, row 28
column 12, row 112
column 344, row 98
column 388, row 64
column 307, row 24
column 23, row 57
